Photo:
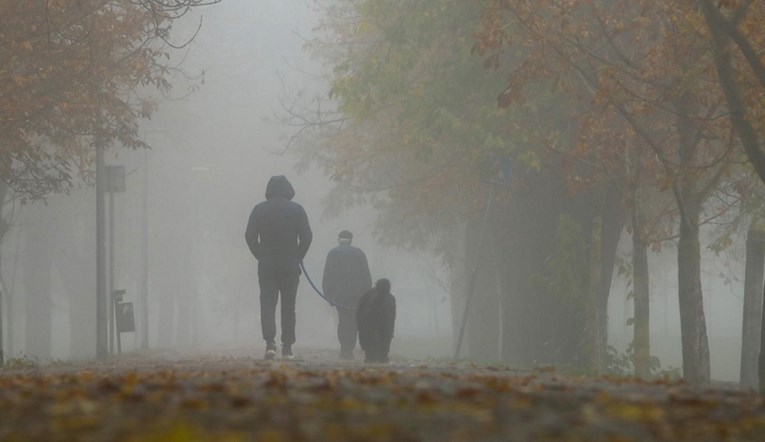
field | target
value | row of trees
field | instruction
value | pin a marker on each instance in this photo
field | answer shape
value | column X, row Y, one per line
column 73, row 73
column 611, row 114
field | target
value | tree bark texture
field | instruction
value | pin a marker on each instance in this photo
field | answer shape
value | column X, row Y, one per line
column 726, row 76
column 752, row 314
column 693, row 329
column 696, row 369
column 613, row 217
column 640, row 284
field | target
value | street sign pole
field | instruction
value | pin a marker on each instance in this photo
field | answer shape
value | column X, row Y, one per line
column 102, row 349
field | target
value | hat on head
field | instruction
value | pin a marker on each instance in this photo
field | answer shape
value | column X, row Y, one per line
column 345, row 234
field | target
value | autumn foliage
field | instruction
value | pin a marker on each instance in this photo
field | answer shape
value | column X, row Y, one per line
column 71, row 72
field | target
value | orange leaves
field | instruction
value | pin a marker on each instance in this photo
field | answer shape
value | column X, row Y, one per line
column 68, row 69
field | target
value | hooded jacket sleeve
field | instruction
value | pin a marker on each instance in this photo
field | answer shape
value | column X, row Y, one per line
column 305, row 236
column 251, row 235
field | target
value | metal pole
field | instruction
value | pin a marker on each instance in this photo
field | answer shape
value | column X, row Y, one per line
column 471, row 284
column 145, row 247
column 102, row 348
column 118, row 334
column 112, row 305
column 2, row 358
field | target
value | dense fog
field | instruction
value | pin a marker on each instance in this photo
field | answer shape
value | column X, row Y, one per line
column 213, row 150
column 211, row 157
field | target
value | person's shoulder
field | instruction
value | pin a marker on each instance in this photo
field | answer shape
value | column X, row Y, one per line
column 353, row 250
column 337, row 250
column 345, row 249
column 295, row 206
column 260, row 206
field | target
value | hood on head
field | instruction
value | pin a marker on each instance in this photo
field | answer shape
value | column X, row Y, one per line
column 382, row 285
column 279, row 186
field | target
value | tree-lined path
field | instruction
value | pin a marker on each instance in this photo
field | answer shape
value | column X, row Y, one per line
column 233, row 395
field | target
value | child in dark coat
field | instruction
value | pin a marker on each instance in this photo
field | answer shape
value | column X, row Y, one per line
column 375, row 318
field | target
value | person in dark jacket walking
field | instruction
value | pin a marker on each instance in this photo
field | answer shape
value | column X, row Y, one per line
column 278, row 235
column 376, row 318
column 346, row 278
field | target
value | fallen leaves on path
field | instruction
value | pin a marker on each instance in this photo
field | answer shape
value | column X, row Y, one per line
column 240, row 398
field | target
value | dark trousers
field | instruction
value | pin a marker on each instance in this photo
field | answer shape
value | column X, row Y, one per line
column 278, row 276
column 346, row 329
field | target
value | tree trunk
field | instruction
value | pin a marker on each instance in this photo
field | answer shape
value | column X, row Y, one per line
column 693, row 328
column 612, row 224
column 2, row 355
column 640, row 279
column 688, row 196
column 721, row 33
column 762, row 348
column 726, row 76
column 751, row 322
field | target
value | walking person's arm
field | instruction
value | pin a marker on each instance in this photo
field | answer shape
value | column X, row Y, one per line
column 305, row 236
column 252, row 235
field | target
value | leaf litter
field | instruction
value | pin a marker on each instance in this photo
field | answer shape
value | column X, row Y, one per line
column 237, row 397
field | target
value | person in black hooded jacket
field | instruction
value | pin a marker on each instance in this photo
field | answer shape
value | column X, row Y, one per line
column 278, row 235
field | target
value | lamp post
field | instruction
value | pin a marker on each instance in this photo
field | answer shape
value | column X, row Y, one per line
column 102, row 346
column 114, row 182
column 145, row 252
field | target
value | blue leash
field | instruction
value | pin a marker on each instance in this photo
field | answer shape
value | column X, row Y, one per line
column 316, row 289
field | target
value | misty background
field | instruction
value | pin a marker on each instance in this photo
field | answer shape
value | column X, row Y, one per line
column 212, row 153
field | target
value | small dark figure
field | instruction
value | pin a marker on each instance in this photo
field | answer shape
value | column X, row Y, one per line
column 346, row 278
column 278, row 235
column 375, row 318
